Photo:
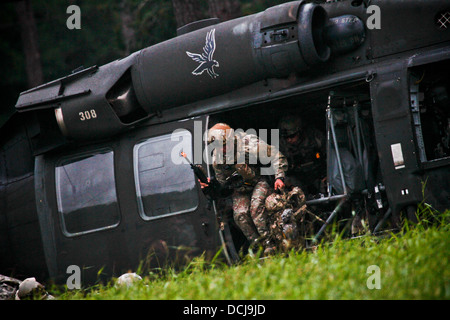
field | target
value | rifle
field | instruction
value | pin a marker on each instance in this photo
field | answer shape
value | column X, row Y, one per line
column 214, row 188
column 197, row 170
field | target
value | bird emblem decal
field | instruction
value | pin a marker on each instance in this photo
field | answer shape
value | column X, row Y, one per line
column 207, row 63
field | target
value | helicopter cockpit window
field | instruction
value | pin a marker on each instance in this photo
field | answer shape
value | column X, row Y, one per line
column 165, row 182
column 86, row 193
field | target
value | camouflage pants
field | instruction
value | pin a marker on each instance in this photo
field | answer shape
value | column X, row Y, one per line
column 249, row 211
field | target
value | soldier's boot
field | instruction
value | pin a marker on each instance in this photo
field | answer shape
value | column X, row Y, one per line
column 255, row 245
column 263, row 244
column 357, row 226
column 269, row 247
column 267, row 244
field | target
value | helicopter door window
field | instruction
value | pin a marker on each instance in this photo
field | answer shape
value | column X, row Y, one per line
column 86, row 193
column 165, row 182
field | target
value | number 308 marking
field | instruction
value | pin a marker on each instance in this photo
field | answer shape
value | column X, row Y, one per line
column 87, row 115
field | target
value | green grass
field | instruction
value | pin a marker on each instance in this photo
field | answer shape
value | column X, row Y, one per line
column 413, row 264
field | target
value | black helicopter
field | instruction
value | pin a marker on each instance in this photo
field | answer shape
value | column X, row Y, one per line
column 86, row 176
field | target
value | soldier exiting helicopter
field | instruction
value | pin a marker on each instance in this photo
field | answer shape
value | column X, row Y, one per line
column 233, row 158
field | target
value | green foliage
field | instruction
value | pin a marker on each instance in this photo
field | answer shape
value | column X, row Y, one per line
column 413, row 265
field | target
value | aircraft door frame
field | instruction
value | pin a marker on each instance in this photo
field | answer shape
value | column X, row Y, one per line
column 225, row 236
column 198, row 226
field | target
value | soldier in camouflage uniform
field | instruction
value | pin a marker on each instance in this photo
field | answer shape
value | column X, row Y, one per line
column 285, row 212
column 240, row 150
column 290, row 220
column 304, row 147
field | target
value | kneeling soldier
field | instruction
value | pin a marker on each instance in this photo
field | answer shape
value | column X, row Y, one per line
column 233, row 157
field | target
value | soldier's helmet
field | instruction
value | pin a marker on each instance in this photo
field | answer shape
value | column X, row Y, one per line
column 220, row 132
column 290, row 125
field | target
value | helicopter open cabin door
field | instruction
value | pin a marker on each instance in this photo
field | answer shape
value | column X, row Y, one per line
column 129, row 202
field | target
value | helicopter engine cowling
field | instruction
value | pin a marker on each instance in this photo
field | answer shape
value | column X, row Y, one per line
column 284, row 39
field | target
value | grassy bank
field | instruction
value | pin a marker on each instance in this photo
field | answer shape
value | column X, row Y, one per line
column 413, row 264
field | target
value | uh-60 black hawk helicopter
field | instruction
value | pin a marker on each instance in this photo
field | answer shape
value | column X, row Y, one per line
column 86, row 176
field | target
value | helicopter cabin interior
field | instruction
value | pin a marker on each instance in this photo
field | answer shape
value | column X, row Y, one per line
column 343, row 115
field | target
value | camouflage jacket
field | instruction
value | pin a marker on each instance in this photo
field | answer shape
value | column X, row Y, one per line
column 245, row 162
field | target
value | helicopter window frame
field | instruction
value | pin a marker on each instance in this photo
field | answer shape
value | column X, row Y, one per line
column 103, row 165
column 161, row 168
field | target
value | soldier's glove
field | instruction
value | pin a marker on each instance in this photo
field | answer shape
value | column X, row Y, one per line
column 279, row 184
